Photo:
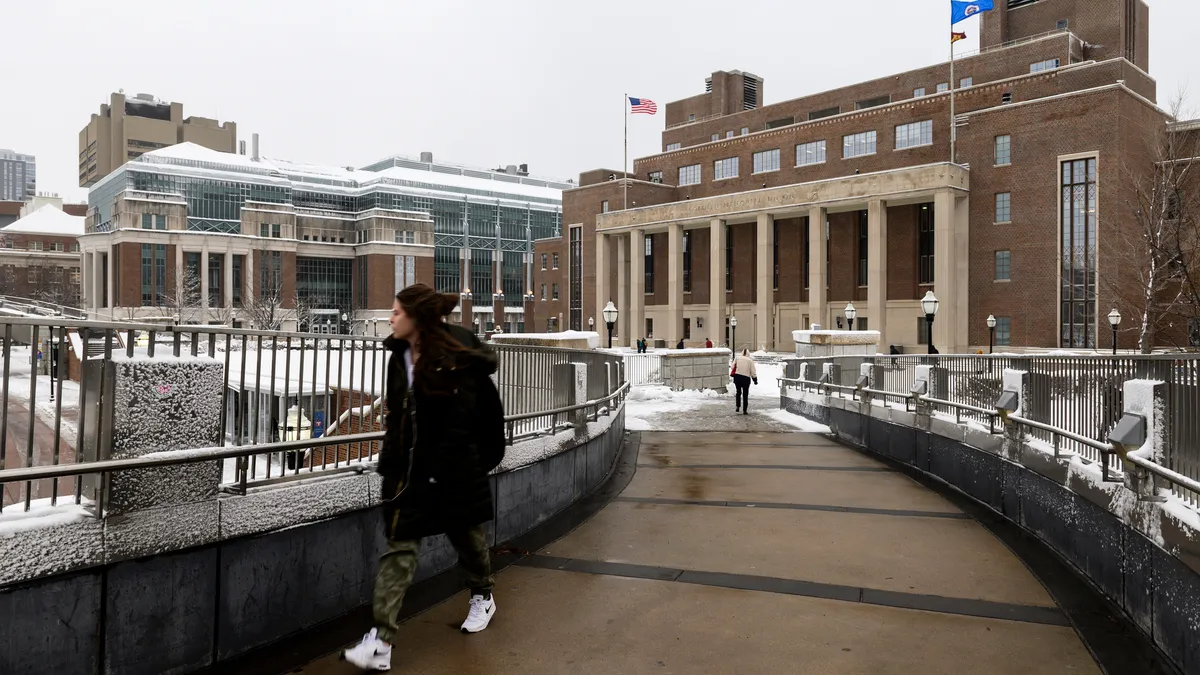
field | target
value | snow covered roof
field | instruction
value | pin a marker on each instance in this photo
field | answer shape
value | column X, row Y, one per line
column 49, row 220
column 317, row 177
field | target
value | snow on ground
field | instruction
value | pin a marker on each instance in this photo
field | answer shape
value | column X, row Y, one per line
column 16, row 519
column 18, row 392
column 657, row 408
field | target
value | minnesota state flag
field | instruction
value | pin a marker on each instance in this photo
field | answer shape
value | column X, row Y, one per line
column 961, row 10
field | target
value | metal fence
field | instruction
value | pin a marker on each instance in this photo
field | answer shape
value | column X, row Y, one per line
column 643, row 368
column 291, row 403
column 1081, row 395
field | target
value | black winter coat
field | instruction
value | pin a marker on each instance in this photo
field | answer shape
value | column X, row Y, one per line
column 434, row 477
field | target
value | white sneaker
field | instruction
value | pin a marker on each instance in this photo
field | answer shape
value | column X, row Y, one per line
column 480, row 615
column 370, row 654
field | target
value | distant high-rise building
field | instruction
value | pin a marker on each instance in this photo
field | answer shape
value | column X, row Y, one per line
column 125, row 128
column 18, row 176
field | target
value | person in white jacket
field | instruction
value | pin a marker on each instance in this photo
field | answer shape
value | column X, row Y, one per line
column 743, row 373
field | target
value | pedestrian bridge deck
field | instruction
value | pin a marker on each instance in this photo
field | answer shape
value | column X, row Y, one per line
column 756, row 552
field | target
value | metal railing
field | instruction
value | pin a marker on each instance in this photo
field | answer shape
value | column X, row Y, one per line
column 1075, row 400
column 643, row 368
column 291, row 403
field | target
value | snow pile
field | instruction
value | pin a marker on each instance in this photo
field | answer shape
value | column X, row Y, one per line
column 800, row 423
column 41, row 514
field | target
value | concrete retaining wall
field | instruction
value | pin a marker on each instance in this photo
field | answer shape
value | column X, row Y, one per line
column 186, row 609
column 695, row 369
column 1157, row 583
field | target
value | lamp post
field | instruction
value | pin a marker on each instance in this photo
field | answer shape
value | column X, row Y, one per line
column 345, row 318
column 733, row 336
column 991, row 324
column 375, row 326
column 53, row 361
column 591, row 323
column 1114, row 320
column 851, row 314
column 610, row 319
column 929, row 304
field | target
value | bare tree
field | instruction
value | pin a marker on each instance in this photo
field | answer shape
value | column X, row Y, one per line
column 185, row 304
column 53, row 286
column 265, row 307
column 1158, row 254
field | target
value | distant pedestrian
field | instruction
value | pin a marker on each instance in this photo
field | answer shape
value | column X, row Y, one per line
column 743, row 373
column 680, row 345
column 436, row 481
column 707, row 343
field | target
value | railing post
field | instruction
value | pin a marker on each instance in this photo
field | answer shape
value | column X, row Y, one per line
column 1146, row 399
column 1015, row 384
column 833, row 375
column 570, row 386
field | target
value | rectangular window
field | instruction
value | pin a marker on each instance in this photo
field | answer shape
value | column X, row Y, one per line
column 555, row 290
column 239, row 263
column 35, row 246
column 943, row 86
column 655, row 176
column 56, row 246
column 1003, row 331
column 781, row 122
column 543, row 291
column 687, row 261
column 821, row 114
column 147, row 221
column 918, row 92
column 75, row 277
column 650, row 328
column 604, row 206
column 728, row 134
column 716, row 137
column 728, row 259
column 576, row 276
column 1062, row 24
column 775, row 256
column 1043, row 66
column 966, row 82
column 1003, row 265
column 810, row 153
column 1003, row 150
column 73, row 248
column 689, row 175
column 687, row 328
column 1003, row 207
column 914, row 135
column 215, row 277
column 673, row 146
column 858, row 145
column 555, row 261
column 862, row 248
column 767, row 160
column 649, row 263
column 276, row 230
column 873, row 102
column 725, row 168
column 1078, row 254
column 925, row 244
column 544, row 261
column 745, row 130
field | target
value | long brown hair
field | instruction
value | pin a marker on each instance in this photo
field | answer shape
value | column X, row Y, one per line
column 428, row 309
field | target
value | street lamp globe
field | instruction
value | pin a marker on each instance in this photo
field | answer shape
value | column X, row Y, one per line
column 344, row 317
column 733, row 321
column 1114, row 318
column 591, row 322
column 609, row 312
column 991, row 321
column 851, row 313
column 929, row 303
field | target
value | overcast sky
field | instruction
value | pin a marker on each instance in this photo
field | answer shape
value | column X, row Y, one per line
column 476, row 82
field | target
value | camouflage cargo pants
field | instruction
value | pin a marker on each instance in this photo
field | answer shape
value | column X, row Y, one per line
column 399, row 563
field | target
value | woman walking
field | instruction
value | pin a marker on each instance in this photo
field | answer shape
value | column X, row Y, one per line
column 744, row 372
column 444, row 433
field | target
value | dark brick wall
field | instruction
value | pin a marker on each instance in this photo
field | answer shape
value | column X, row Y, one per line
column 1103, row 23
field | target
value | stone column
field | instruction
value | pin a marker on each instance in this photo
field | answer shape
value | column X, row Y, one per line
column 950, row 277
column 637, row 285
column 716, row 281
column 765, row 268
column 227, row 296
column 622, row 299
column 97, row 280
column 674, row 331
column 204, row 277
column 877, row 268
column 603, row 286
column 87, row 292
column 178, row 265
column 817, row 291
column 111, row 278
column 249, row 272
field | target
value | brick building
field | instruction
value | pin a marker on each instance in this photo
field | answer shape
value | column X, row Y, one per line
column 39, row 256
column 189, row 234
column 783, row 214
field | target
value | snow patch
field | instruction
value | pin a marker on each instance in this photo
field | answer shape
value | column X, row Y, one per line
column 801, row 423
column 41, row 514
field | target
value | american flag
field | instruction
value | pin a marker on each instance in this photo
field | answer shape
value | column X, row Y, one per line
column 642, row 105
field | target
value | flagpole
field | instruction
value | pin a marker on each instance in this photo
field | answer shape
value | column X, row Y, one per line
column 953, row 127
column 625, row 166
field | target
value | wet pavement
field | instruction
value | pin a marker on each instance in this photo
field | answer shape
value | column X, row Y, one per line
column 757, row 552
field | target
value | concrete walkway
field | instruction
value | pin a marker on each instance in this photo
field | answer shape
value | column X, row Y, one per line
column 757, row 552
